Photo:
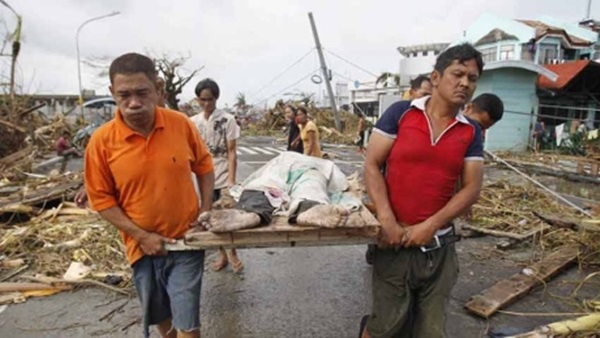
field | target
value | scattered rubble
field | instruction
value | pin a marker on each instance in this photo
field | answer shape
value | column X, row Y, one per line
column 273, row 122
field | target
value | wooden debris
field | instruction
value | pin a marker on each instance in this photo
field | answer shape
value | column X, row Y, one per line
column 20, row 287
column 508, row 290
column 558, row 221
column 567, row 328
column 497, row 233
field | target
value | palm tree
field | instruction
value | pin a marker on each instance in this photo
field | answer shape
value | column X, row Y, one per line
column 307, row 98
column 386, row 77
column 240, row 102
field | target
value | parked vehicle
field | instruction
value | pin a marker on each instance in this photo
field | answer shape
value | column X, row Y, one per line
column 98, row 112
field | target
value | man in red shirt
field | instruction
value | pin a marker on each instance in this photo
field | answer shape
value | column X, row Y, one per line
column 64, row 149
column 425, row 146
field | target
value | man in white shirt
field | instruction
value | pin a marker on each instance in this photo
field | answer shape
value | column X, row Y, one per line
column 220, row 132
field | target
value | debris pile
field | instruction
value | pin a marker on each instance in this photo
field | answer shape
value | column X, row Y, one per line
column 521, row 212
column 46, row 239
column 274, row 122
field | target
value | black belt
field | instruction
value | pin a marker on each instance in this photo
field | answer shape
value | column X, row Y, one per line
column 439, row 241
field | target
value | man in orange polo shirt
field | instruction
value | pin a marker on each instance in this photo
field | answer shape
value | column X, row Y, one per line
column 138, row 176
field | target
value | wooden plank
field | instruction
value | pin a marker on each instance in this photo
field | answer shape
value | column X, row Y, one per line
column 509, row 290
column 497, row 233
column 16, row 155
column 282, row 234
column 41, row 195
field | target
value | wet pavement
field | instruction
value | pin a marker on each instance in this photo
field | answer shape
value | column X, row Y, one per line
column 303, row 292
column 297, row 292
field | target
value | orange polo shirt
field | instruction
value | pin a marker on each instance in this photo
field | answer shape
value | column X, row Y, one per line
column 150, row 179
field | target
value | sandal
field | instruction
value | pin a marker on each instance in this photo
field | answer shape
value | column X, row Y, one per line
column 237, row 266
column 363, row 326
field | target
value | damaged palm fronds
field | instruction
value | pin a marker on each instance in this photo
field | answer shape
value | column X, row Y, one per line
column 64, row 243
column 46, row 239
column 524, row 211
column 49, row 246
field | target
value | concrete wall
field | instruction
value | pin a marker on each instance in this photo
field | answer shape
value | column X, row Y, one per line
column 516, row 88
column 411, row 67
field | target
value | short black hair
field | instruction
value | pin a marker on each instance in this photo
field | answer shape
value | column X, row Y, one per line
column 491, row 104
column 292, row 108
column 209, row 84
column 461, row 53
column 303, row 110
column 417, row 82
column 132, row 63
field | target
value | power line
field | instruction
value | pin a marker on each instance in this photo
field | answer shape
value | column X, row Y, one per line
column 343, row 76
column 546, row 116
column 282, row 73
column 288, row 87
column 350, row 63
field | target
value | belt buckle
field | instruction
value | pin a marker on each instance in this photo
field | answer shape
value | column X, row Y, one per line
column 431, row 248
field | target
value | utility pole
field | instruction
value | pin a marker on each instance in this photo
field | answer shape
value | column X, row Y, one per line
column 589, row 10
column 325, row 72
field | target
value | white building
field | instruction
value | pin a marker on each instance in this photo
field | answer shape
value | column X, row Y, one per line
column 417, row 60
column 371, row 100
column 342, row 96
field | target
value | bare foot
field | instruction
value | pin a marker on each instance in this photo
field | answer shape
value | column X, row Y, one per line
column 220, row 264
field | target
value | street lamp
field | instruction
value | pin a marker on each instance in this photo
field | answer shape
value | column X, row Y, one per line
column 79, row 62
column 16, row 47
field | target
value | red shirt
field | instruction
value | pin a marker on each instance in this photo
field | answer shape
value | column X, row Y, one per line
column 62, row 145
column 421, row 173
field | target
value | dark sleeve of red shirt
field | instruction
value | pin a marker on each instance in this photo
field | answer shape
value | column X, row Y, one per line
column 475, row 149
column 387, row 125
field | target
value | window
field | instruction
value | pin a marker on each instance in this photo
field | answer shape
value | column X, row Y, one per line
column 507, row 52
column 489, row 54
column 414, row 54
column 547, row 53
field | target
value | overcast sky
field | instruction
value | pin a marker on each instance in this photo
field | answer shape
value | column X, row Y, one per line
column 244, row 44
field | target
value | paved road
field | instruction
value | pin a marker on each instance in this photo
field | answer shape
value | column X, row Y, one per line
column 294, row 292
column 255, row 151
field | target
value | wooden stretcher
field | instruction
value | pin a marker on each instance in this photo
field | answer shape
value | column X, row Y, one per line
column 282, row 234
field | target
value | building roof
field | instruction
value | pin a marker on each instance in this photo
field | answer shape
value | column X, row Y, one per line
column 580, row 78
column 544, row 73
column 495, row 35
column 542, row 29
column 406, row 50
column 565, row 71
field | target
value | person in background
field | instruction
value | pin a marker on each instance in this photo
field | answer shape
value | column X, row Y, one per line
column 486, row 109
column 420, row 87
column 220, row 132
column 294, row 141
column 309, row 133
column 538, row 134
column 362, row 127
column 65, row 150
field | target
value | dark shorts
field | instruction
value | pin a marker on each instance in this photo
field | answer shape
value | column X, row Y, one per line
column 410, row 292
column 169, row 287
column 361, row 140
